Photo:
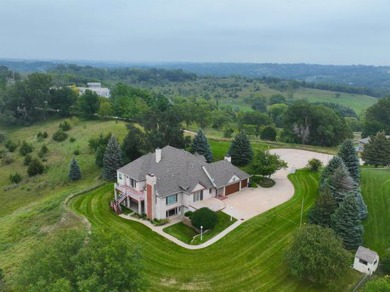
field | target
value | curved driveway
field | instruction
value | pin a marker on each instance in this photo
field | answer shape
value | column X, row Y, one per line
column 254, row 201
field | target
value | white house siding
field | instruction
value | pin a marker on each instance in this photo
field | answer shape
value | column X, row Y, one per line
column 121, row 178
column 162, row 207
column 368, row 268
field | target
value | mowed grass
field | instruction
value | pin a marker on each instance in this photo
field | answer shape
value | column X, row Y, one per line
column 376, row 193
column 249, row 258
column 186, row 233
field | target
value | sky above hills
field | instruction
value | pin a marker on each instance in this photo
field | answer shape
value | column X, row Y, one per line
column 262, row 31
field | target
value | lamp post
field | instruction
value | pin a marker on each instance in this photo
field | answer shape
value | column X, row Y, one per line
column 231, row 213
column 201, row 233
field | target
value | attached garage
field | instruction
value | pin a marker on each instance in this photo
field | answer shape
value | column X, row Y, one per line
column 230, row 189
column 244, row 183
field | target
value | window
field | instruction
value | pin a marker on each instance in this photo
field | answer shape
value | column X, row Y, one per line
column 133, row 182
column 363, row 262
column 198, row 196
column 119, row 175
column 172, row 212
column 171, row 199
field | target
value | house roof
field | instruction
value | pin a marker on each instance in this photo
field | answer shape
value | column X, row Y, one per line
column 222, row 172
column 179, row 170
column 366, row 254
column 366, row 140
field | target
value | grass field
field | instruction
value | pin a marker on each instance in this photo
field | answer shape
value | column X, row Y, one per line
column 376, row 193
column 249, row 258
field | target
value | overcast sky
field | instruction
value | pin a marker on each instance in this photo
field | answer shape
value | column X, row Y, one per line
column 277, row 31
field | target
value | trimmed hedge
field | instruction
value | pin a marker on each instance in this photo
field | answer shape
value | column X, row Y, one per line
column 204, row 217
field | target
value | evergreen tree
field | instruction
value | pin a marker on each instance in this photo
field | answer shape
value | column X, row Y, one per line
column 112, row 159
column 377, row 151
column 74, row 170
column 325, row 206
column 334, row 163
column 133, row 144
column 201, row 146
column 240, row 150
column 340, row 184
column 348, row 154
column 347, row 224
column 363, row 211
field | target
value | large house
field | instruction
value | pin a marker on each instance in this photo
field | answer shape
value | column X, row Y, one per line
column 167, row 182
column 95, row 87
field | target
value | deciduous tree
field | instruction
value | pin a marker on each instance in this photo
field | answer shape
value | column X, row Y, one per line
column 317, row 255
column 266, row 164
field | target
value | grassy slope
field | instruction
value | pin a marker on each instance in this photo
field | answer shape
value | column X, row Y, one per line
column 249, row 258
column 376, row 193
column 32, row 209
column 202, row 87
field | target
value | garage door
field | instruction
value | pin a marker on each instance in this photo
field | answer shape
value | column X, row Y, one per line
column 244, row 183
column 232, row 188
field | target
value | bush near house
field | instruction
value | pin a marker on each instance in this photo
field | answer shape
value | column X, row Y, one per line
column 204, row 217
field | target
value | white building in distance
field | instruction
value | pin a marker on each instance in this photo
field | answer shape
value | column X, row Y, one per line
column 97, row 88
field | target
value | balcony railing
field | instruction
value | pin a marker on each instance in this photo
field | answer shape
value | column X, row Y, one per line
column 129, row 191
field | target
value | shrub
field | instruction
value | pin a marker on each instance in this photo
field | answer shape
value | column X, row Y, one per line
column 25, row 148
column 27, row 159
column 188, row 214
column 314, row 164
column 7, row 158
column 35, row 167
column 41, row 135
column 45, row 135
column 228, row 133
column 2, row 137
column 11, row 146
column 160, row 222
column 15, row 177
column 60, row 135
column 76, row 152
column 268, row 133
column 204, row 217
column 43, row 151
column 65, row 126
column 72, row 139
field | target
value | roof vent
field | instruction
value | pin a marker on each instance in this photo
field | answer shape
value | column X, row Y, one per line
column 158, row 155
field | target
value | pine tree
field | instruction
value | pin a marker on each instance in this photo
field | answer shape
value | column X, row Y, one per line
column 240, row 150
column 347, row 224
column 340, row 184
column 112, row 159
column 325, row 206
column 348, row 154
column 363, row 211
column 74, row 170
column 377, row 151
column 334, row 163
column 201, row 146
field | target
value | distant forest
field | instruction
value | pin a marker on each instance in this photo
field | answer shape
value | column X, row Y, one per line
column 357, row 79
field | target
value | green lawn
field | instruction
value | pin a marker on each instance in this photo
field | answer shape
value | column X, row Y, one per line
column 376, row 193
column 248, row 258
column 186, row 233
column 181, row 232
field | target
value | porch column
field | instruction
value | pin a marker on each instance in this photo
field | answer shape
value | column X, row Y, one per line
column 128, row 202
column 115, row 193
column 139, row 207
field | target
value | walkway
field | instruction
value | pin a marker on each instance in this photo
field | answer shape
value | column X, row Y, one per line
column 252, row 201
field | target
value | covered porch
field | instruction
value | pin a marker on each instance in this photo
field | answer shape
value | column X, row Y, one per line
column 130, row 198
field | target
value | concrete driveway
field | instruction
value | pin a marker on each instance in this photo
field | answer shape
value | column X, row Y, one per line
column 254, row 201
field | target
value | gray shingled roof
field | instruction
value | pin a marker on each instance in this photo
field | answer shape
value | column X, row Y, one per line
column 222, row 171
column 366, row 254
column 179, row 170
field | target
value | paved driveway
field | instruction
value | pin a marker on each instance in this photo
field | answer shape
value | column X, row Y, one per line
column 252, row 202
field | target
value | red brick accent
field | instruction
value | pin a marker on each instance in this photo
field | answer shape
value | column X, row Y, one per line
column 149, row 200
